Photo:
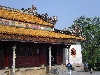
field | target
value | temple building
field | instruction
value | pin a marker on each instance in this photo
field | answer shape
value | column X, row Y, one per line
column 28, row 40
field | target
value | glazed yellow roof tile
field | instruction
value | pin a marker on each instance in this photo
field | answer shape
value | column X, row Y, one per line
column 78, row 38
column 22, row 17
column 31, row 32
column 37, row 33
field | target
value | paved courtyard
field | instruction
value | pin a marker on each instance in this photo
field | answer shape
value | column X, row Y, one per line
column 65, row 72
column 79, row 73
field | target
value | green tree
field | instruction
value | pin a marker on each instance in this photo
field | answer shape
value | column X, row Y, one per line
column 89, row 28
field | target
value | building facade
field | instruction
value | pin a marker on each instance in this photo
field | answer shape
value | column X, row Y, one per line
column 27, row 42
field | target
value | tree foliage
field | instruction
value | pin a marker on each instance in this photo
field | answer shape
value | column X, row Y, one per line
column 91, row 31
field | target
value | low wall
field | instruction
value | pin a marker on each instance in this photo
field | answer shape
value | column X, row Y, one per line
column 5, row 72
column 25, row 71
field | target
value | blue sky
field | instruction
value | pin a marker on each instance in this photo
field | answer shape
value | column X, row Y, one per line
column 66, row 10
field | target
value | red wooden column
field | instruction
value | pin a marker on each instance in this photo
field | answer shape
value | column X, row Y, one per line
column 61, row 55
column 42, row 56
column 57, row 55
column 6, row 58
column 2, row 58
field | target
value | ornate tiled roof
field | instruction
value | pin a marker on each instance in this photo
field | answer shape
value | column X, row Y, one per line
column 15, row 14
column 31, row 32
column 21, row 26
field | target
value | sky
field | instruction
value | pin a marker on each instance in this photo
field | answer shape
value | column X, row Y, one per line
column 66, row 10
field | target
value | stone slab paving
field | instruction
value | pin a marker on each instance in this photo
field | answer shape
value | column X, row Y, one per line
column 80, row 73
column 65, row 72
column 77, row 73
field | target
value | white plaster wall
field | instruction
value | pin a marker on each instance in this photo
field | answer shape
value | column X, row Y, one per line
column 78, row 58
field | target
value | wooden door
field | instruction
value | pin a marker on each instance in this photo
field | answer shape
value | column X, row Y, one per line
column 20, row 57
column 41, row 56
column 29, row 57
column 59, row 56
column 1, row 58
column 36, row 55
column 46, row 56
column 9, row 56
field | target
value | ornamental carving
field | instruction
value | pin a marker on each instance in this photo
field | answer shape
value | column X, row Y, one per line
column 23, row 24
column 73, row 52
column 22, row 17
